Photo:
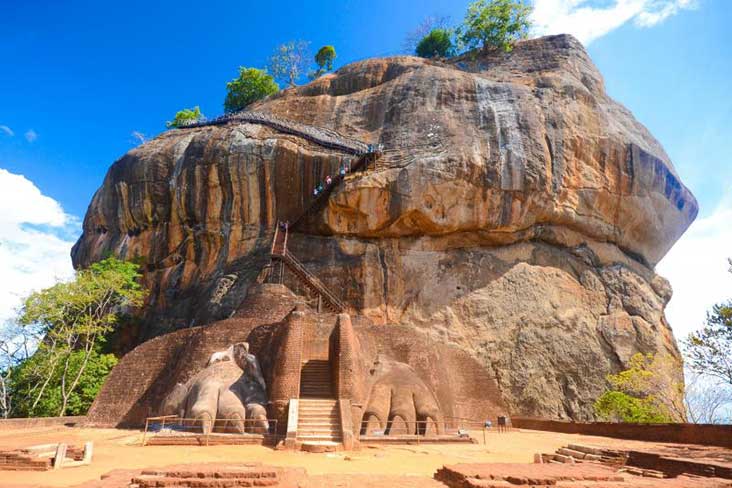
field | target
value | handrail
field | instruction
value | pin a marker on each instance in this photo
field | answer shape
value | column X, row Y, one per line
column 274, row 240
column 319, row 135
column 314, row 282
column 324, row 196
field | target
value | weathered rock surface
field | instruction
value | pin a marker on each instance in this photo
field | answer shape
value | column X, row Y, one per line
column 518, row 213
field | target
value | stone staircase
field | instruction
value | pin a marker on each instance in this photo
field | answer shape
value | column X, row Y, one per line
column 319, row 422
column 315, row 379
column 318, row 419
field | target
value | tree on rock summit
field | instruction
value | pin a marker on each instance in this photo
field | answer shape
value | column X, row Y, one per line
column 496, row 24
column 252, row 84
column 290, row 61
column 324, row 59
column 438, row 43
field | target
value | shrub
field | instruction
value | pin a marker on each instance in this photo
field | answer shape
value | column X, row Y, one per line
column 437, row 43
column 615, row 406
column 185, row 117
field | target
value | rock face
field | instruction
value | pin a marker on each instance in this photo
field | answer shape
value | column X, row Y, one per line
column 517, row 212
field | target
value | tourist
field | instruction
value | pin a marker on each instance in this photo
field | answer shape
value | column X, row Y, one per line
column 315, row 191
column 342, row 171
column 328, row 180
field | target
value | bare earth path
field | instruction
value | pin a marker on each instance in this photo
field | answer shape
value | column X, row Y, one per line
column 416, row 464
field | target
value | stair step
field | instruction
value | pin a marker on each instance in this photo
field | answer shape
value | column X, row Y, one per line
column 319, row 438
column 331, row 429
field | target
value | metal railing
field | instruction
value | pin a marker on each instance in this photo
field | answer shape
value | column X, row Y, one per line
column 175, row 427
column 312, row 282
column 428, row 430
column 319, row 135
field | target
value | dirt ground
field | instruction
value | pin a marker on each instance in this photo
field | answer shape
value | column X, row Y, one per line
column 121, row 449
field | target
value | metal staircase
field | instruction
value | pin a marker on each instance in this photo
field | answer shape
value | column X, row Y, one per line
column 282, row 255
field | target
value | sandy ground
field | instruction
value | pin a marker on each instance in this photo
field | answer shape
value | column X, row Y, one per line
column 120, row 449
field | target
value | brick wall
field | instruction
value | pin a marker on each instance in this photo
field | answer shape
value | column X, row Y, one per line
column 704, row 434
column 138, row 384
column 31, row 422
column 286, row 378
column 344, row 356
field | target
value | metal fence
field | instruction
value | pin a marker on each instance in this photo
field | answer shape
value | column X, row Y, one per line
column 450, row 428
column 175, row 427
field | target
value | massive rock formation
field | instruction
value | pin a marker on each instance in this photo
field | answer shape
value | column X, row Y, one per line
column 517, row 213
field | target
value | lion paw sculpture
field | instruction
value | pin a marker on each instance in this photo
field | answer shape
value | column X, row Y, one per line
column 397, row 391
column 228, row 394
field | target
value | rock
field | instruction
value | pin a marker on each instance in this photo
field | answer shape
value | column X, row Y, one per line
column 517, row 212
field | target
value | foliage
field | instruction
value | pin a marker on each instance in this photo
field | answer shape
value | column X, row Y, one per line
column 185, row 117
column 496, row 24
column 290, row 61
column 324, row 58
column 251, row 85
column 616, row 406
column 709, row 350
column 649, row 389
column 73, row 318
column 27, row 376
column 429, row 24
column 438, row 43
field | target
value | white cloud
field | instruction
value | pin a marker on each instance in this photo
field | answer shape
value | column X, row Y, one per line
column 7, row 130
column 34, row 240
column 31, row 135
column 588, row 20
column 698, row 270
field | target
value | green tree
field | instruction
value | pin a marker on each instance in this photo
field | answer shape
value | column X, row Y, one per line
column 650, row 390
column 185, row 117
column 709, row 350
column 438, row 43
column 73, row 318
column 252, row 84
column 290, row 61
column 496, row 24
column 25, row 378
column 324, row 58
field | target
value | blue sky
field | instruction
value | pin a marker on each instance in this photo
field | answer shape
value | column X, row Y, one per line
column 78, row 78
